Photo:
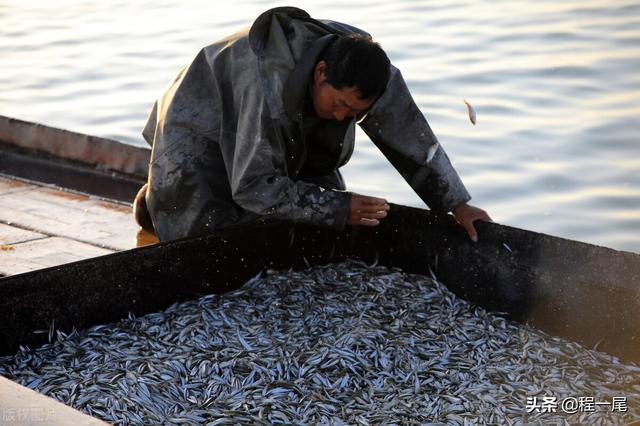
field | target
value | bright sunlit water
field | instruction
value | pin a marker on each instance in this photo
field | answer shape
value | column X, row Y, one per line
column 556, row 86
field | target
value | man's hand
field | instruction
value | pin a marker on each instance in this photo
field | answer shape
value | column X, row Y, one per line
column 466, row 214
column 365, row 210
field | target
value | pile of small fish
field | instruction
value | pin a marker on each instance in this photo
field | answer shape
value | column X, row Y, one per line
column 340, row 344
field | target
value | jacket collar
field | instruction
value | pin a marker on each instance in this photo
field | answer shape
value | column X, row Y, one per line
column 297, row 84
column 263, row 25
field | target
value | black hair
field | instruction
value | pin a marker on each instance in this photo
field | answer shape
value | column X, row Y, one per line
column 357, row 61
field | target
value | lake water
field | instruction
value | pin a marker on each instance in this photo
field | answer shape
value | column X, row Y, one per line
column 556, row 86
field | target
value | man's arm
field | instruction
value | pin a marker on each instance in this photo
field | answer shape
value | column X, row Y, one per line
column 260, row 188
column 398, row 128
column 257, row 178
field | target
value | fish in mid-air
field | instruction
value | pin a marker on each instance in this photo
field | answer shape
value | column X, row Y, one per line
column 471, row 112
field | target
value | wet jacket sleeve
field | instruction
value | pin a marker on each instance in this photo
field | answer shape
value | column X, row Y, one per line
column 257, row 181
column 398, row 128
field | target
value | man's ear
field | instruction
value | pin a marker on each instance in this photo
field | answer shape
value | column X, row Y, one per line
column 319, row 72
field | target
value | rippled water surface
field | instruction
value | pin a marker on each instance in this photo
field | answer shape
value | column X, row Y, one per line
column 555, row 84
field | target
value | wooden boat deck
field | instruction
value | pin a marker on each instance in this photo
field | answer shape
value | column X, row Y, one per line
column 43, row 226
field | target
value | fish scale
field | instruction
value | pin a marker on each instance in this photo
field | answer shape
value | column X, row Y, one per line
column 340, row 344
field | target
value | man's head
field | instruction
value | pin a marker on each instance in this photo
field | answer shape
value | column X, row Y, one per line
column 351, row 74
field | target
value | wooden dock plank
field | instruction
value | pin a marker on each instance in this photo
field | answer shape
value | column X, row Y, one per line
column 12, row 235
column 10, row 185
column 20, row 405
column 45, row 252
column 79, row 217
column 43, row 226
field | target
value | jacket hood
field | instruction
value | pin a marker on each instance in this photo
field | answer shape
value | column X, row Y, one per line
column 286, row 42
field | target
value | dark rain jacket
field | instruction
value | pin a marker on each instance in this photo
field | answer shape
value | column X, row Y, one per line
column 230, row 142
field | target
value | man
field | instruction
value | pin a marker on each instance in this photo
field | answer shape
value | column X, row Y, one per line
column 260, row 122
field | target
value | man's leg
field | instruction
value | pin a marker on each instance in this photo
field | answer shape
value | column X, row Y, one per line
column 146, row 235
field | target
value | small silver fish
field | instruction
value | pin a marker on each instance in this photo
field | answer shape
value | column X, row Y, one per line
column 344, row 343
column 431, row 152
column 471, row 111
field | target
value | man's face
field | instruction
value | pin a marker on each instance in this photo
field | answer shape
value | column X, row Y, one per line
column 333, row 104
